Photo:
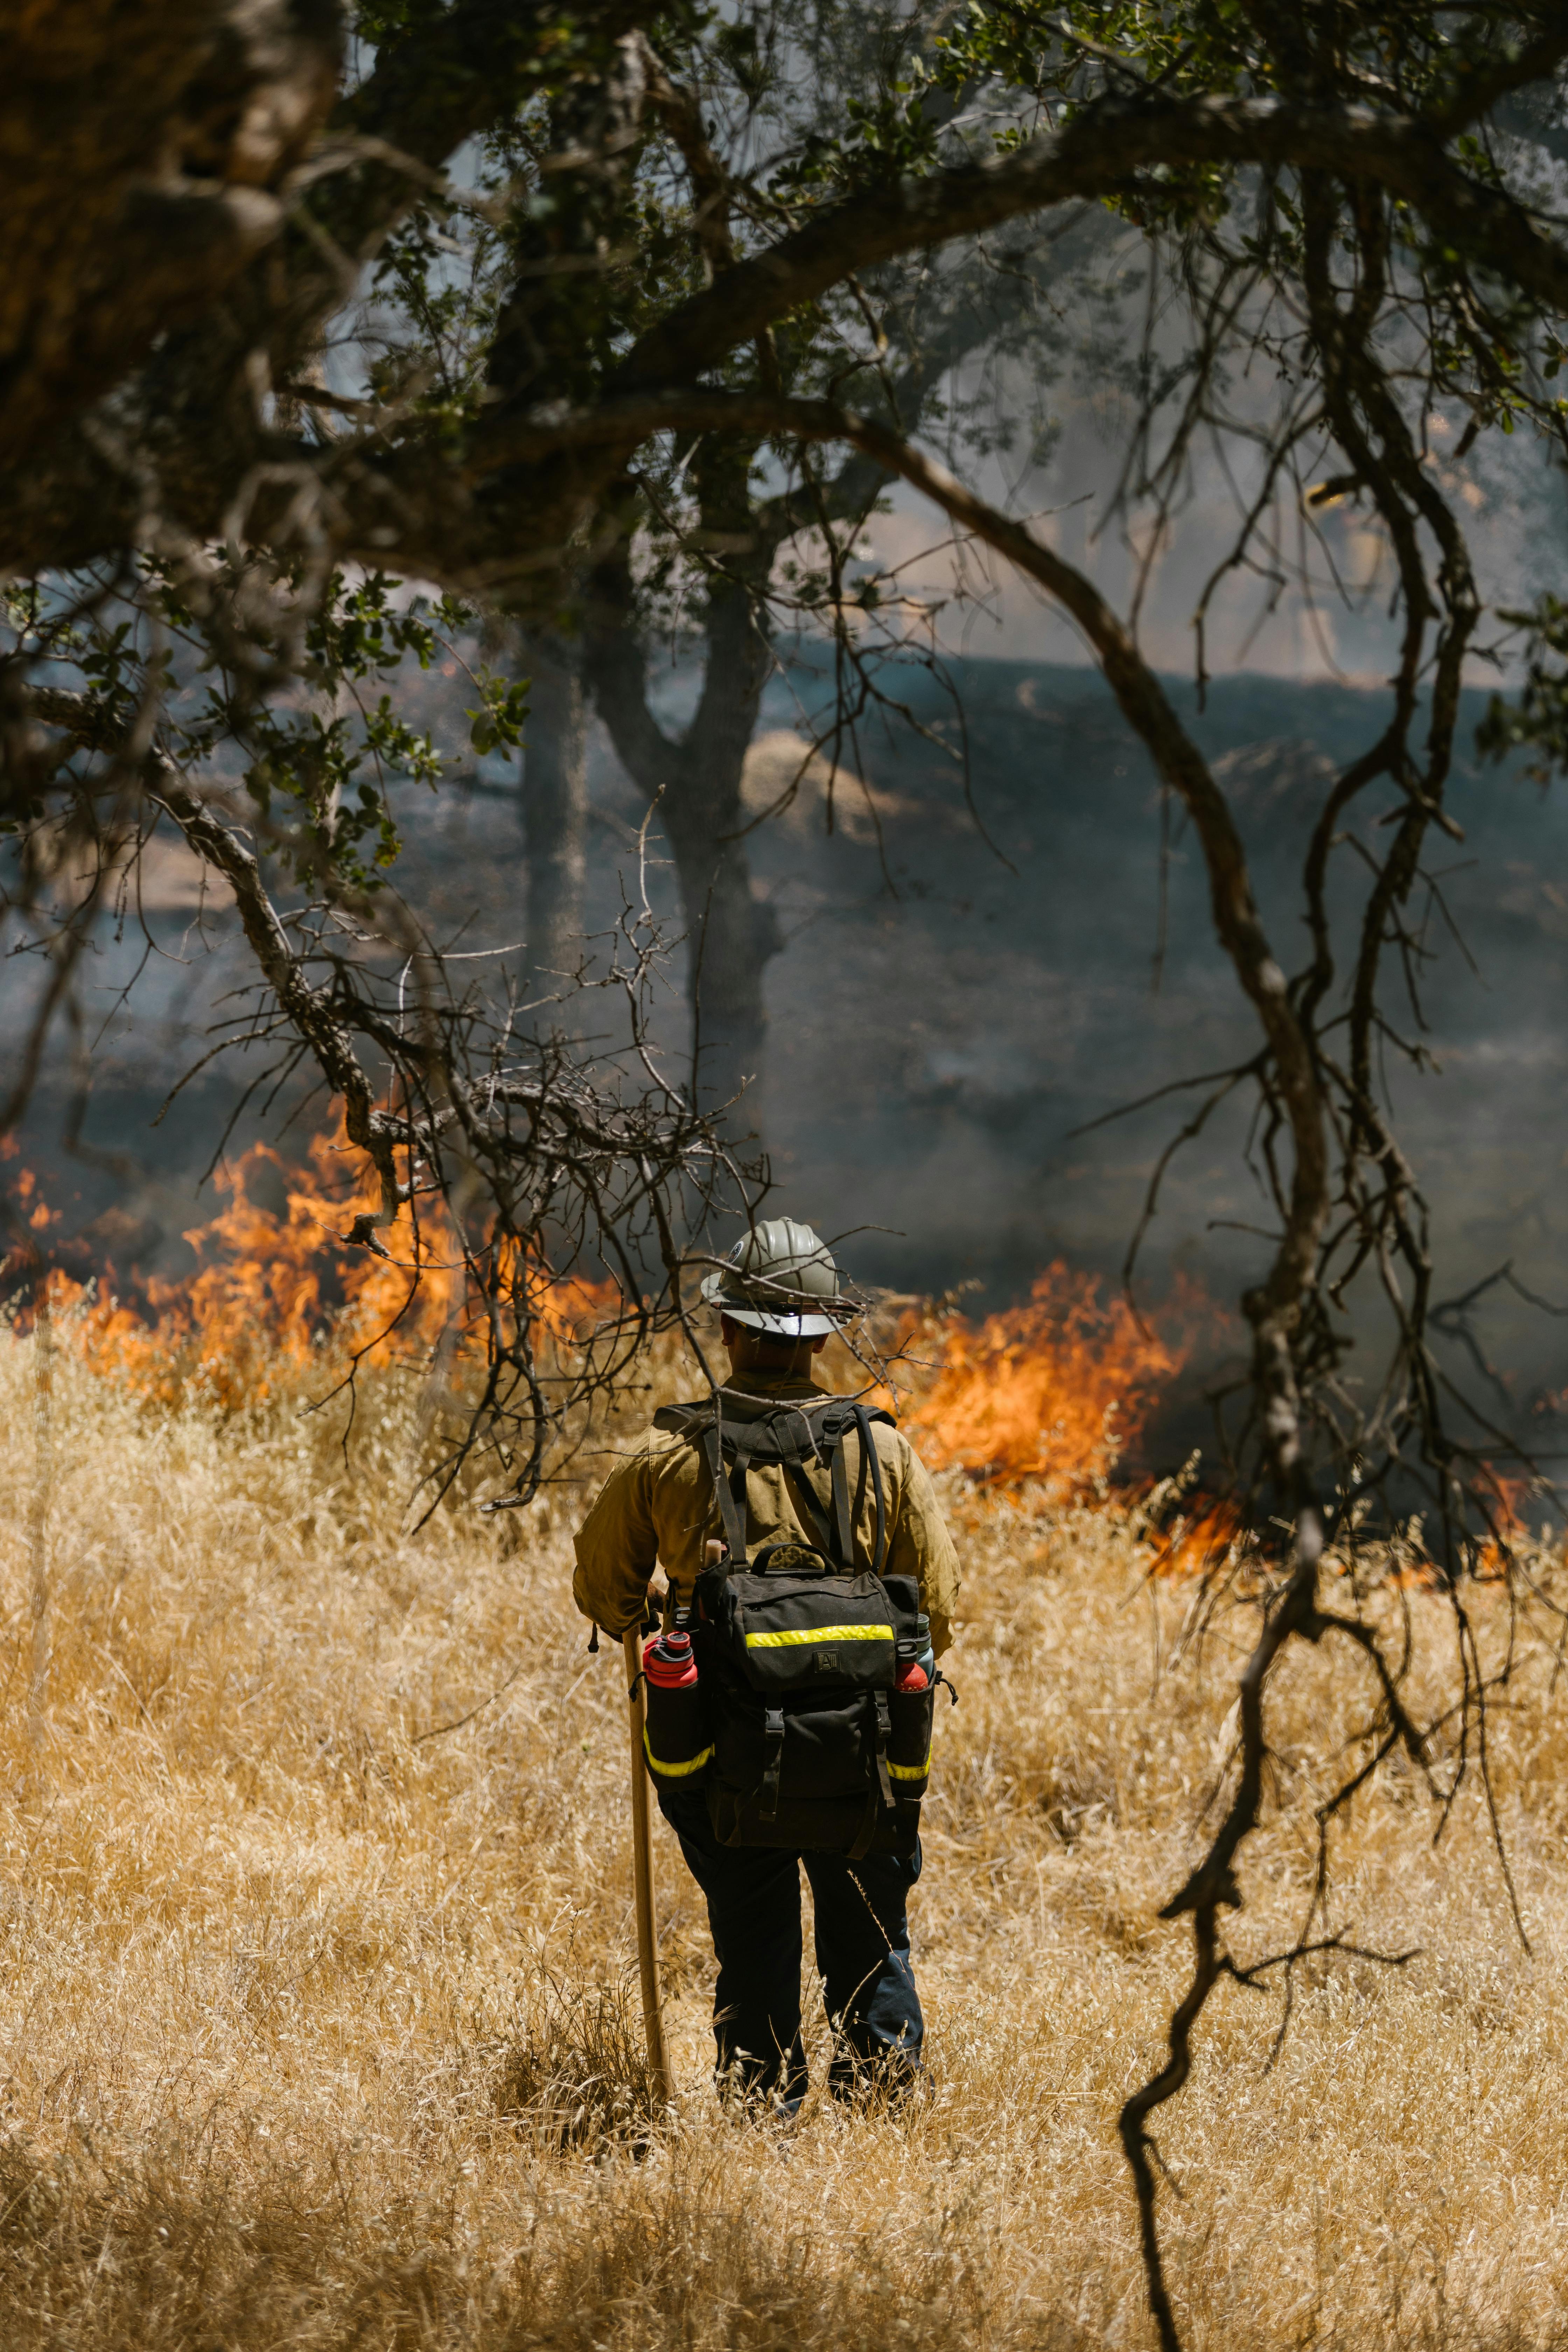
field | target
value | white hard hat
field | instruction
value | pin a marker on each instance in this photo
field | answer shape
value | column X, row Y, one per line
column 780, row 1277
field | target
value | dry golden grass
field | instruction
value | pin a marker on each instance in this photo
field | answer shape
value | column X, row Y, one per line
column 316, row 2030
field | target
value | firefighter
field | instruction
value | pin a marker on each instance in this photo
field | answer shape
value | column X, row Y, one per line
column 779, row 1297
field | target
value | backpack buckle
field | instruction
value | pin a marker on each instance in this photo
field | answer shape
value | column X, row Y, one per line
column 884, row 1718
column 773, row 1753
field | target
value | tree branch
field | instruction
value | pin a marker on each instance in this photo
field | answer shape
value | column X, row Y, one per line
column 1102, row 153
column 307, row 1010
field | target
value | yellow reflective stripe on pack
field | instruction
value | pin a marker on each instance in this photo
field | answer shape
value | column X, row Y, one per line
column 911, row 1771
column 805, row 1636
column 674, row 1771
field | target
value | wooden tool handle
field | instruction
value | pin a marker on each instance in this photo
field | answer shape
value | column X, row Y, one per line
column 642, row 1875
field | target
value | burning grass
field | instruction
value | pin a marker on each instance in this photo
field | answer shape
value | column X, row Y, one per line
column 315, row 2028
column 277, row 1299
column 1050, row 1391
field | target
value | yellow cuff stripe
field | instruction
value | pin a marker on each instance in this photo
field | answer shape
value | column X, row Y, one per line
column 806, row 1637
column 674, row 1771
column 911, row 1771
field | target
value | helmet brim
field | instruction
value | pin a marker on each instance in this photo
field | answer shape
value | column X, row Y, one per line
column 805, row 1326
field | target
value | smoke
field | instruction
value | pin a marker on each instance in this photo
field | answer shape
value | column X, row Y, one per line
column 1311, row 597
column 963, row 995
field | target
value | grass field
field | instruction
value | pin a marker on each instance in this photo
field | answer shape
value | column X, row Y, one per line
column 318, row 2025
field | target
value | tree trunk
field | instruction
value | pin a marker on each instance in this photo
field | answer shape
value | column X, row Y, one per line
column 554, row 815
column 730, row 935
column 731, row 930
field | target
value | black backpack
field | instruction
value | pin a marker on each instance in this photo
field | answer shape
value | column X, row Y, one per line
column 812, row 1746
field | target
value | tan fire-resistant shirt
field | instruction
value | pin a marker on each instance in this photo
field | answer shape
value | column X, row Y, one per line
column 658, row 1506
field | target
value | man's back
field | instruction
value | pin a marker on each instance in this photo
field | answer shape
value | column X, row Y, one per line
column 658, row 1505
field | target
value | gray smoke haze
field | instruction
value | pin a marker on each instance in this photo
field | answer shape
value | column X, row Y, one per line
column 948, row 1017
column 1323, row 616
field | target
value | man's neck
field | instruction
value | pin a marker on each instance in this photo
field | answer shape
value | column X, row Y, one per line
column 760, row 1379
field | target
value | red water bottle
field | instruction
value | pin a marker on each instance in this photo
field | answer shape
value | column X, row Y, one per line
column 668, row 1664
column 909, row 1748
column 675, row 1728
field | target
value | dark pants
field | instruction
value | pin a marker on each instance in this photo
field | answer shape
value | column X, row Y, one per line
column 862, row 1956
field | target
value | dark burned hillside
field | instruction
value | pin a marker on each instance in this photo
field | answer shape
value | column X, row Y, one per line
column 961, row 993
column 943, row 1021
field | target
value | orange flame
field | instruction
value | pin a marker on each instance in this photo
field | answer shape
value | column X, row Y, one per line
column 1509, row 1497
column 1051, row 1394
column 277, row 1294
column 1053, row 1390
column 1195, row 1544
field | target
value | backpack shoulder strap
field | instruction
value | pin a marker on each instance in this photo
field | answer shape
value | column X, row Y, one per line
column 832, row 1427
column 684, row 1419
column 786, row 1433
column 702, row 1426
column 731, row 1508
column 789, row 1438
